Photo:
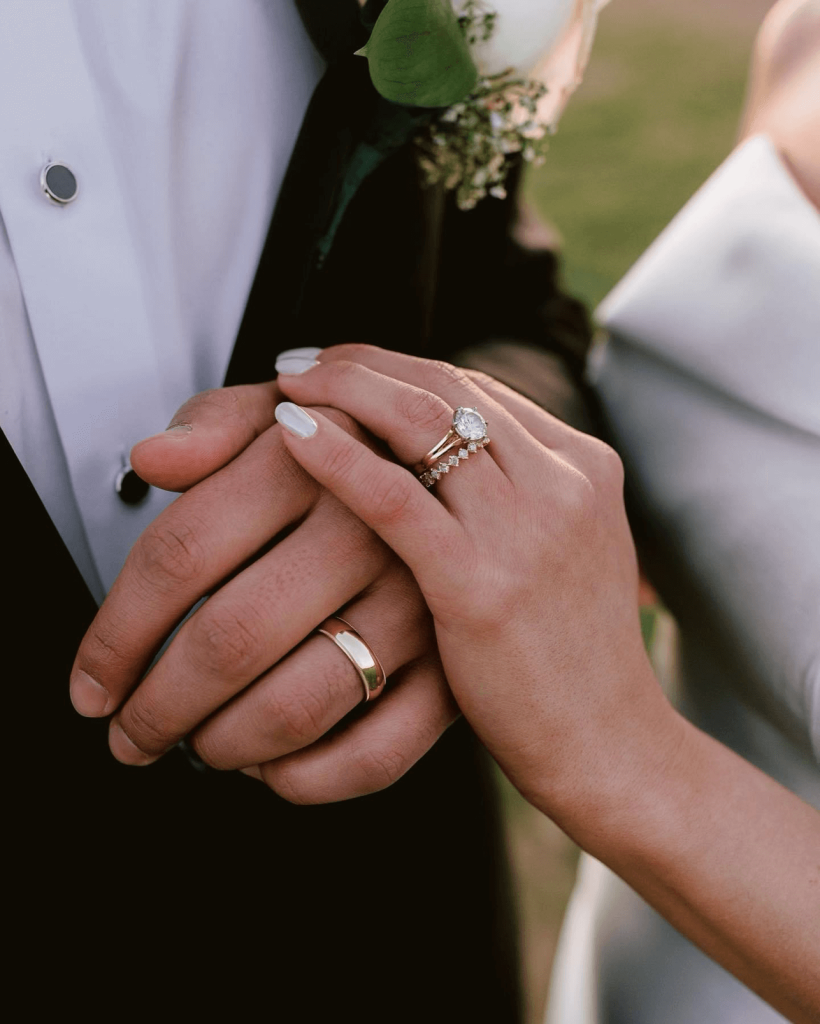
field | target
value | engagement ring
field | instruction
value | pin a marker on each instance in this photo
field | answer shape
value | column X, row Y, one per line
column 467, row 434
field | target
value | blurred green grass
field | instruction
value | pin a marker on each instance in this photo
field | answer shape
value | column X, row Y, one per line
column 657, row 113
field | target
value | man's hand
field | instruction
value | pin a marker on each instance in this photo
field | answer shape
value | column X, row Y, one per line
column 243, row 678
column 784, row 92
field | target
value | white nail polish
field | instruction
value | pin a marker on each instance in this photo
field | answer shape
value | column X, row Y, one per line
column 292, row 365
column 307, row 353
column 295, row 419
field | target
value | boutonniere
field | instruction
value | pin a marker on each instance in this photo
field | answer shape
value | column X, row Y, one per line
column 494, row 74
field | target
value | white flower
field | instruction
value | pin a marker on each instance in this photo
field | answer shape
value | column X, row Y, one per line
column 523, row 32
column 548, row 40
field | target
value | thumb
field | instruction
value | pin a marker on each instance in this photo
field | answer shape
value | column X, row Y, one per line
column 205, row 434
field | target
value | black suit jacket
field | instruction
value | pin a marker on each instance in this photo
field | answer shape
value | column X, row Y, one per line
column 174, row 889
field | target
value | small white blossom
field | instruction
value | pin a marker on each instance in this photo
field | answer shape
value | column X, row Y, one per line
column 466, row 148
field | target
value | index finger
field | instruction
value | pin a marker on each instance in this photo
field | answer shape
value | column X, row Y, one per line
column 199, row 540
column 385, row 496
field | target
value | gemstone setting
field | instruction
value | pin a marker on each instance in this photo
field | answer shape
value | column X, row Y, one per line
column 469, row 424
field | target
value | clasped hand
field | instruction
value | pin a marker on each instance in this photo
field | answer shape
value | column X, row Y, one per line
column 243, row 678
column 523, row 556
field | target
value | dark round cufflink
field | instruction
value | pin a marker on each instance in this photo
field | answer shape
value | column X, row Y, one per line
column 131, row 488
column 59, row 183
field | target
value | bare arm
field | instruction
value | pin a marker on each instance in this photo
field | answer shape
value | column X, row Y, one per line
column 723, row 852
column 536, row 621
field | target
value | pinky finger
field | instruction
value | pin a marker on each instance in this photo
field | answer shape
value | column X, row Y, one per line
column 386, row 497
column 375, row 750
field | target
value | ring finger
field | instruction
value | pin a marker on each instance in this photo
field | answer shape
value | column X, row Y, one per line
column 245, row 627
column 306, row 694
column 451, row 383
column 411, row 420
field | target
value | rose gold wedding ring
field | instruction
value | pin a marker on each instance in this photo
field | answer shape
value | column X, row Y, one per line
column 467, row 434
column 358, row 652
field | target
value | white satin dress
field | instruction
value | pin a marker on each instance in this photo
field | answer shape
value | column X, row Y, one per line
column 710, row 378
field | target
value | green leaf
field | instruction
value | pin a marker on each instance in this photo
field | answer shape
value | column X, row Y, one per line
column 418, row 55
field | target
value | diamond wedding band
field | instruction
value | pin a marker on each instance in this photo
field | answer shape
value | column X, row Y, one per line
column 467, row 434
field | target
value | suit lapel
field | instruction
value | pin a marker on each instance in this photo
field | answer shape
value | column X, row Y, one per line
column 348, row 134
column 49, row 607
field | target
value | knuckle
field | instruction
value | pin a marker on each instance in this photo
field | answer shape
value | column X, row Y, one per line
column 423, row 409
column 612, row 467
column 226, row 402
column 353, row 352
column 169, row 554
column 487, row 611
column 482, row 380
column 287, row 780
column 380, row 767
column 341, row 460
column 345, row 421
column 102, row 648
column 209, row 750
column 144, row 722
column 605, row 467
column 439, row 373
column 228, row 641
column 296, row 718
column 576, row 503
column 390, row 501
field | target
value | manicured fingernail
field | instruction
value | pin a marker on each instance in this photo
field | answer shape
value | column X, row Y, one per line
column 301, row 353
column 253, row 772
column 292, row 365
column 124, row 750
column 295, row 419
column 88, row 697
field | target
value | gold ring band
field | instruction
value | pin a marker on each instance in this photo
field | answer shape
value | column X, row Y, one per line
column 358, row 652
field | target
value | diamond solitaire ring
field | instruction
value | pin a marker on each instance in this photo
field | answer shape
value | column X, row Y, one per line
column 467, row 434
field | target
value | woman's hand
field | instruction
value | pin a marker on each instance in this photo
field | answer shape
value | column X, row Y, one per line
column 524, row 555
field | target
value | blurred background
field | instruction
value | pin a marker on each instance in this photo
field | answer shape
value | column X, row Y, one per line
column 658, row 111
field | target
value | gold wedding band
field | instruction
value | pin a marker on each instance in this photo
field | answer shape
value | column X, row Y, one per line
column 359, row 653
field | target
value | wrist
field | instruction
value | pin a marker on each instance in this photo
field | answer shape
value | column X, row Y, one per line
column 625, row 793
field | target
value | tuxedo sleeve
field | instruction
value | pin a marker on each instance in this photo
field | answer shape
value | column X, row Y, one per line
column 709, row 379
